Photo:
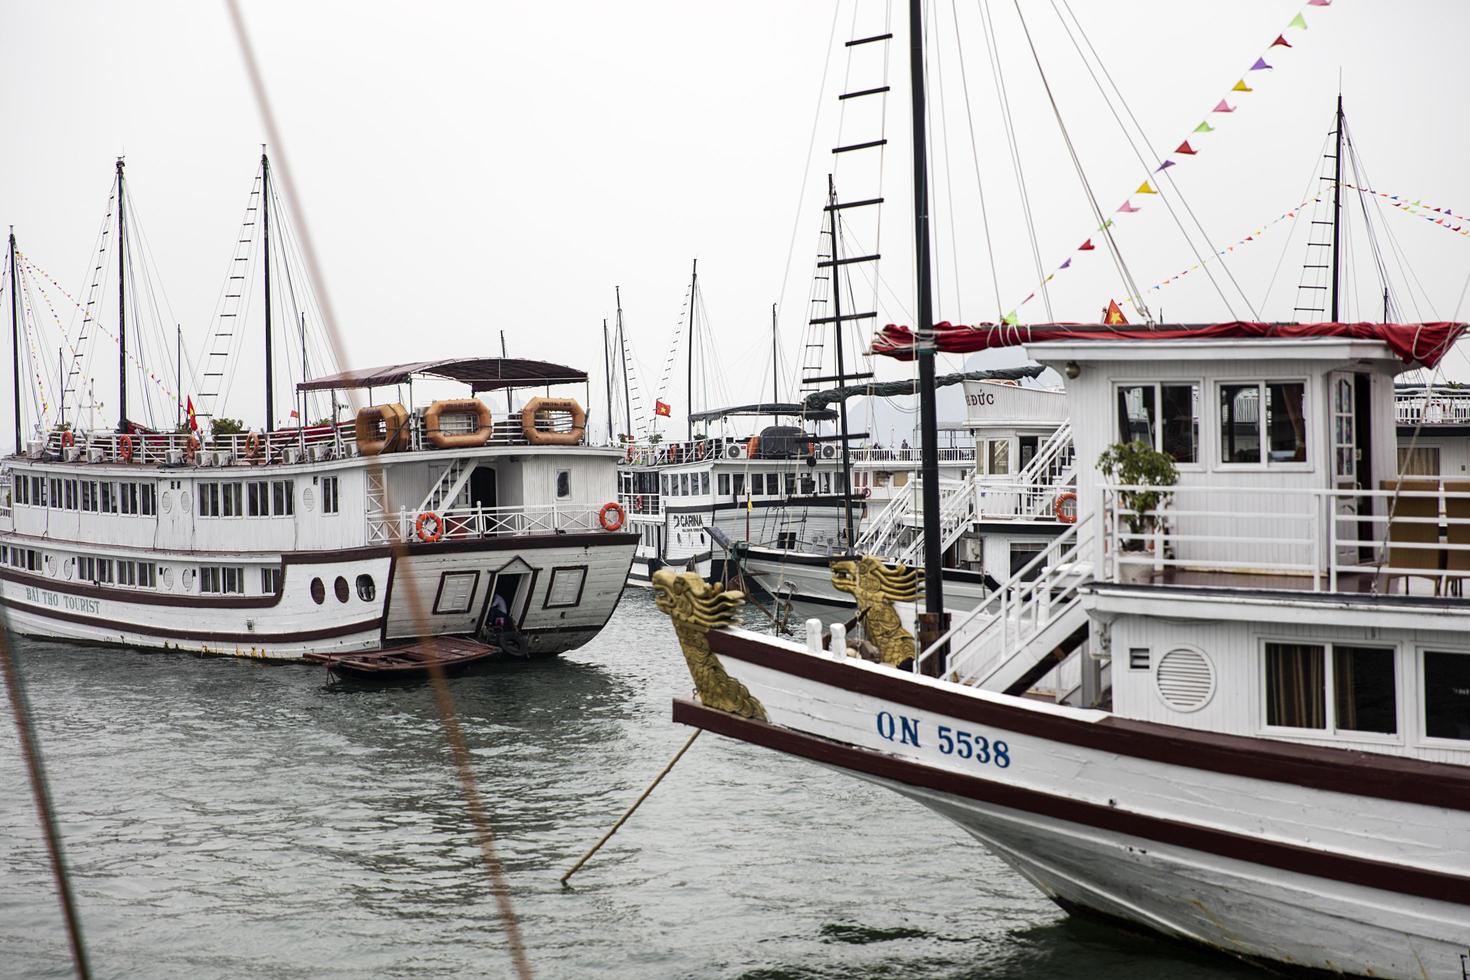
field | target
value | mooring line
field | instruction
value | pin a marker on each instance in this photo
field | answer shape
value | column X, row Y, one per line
column 36, row 770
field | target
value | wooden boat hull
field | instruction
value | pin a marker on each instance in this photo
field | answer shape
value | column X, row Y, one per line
column 1363, row 870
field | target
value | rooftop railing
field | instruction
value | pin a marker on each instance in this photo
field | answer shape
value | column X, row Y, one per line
column 1432, row 406
column 468, row 523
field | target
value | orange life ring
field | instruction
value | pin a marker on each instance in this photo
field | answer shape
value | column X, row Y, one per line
column 125, row 447
column 429, row 537
column 615, row 510
column 864, row 492
column 67, row 439
column 191, row 448
column 536, row 411
column 252, row 445
column 1065, row 514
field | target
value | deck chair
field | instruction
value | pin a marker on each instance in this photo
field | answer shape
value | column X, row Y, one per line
column 1457, row 516
column 1413, row 550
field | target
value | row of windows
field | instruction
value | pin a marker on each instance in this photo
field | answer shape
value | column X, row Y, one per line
column 103, row 496
column 121, row 571
column 260, row 498
column 222, row 580
column 26, row 558
column 1260, row 421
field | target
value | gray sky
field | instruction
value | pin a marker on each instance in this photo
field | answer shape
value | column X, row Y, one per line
column 467, row 168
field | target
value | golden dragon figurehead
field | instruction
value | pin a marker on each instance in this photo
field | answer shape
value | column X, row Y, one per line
column 696, row 607
column 876, row 587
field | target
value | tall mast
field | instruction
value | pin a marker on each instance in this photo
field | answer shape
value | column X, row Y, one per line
column 775, row 376
column 178, row 374
column 841, row 367
column 503, row 356
column 15, row 340
column 122, row 305
column 689, row 354
column 265, row 212
column 928, row 413
column 607, row 378
column 623, row 344
column 1337, row 210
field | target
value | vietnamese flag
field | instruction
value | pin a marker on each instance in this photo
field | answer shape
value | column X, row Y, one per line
column 661, row 407
column 193, row 419
column 1114, row 315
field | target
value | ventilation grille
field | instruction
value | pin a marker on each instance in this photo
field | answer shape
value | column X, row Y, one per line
column 1185, row 679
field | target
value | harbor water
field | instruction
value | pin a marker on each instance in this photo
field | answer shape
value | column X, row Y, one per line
column 229, row 819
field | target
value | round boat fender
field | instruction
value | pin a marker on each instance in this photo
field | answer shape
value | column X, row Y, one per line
column 191, row 448
column 125, row 448
column 429, row 527
column 611, row 516
column 252, row 445
column 1065, row 507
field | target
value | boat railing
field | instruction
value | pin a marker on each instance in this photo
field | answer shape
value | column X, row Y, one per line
column 469, row 523
column 687, row 451
column 1432, row 406
column 649, row 504
column 907, row 457
column 1019, row 501
column 1409, row 537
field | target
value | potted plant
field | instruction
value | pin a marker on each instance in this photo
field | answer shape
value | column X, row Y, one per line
column 1150, row 474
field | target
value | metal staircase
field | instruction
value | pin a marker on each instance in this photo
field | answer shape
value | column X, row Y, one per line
column 956, row 511
column 1028, row 626
column 448, row 487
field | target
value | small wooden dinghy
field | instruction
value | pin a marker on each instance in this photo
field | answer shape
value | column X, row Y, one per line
column 406, row 661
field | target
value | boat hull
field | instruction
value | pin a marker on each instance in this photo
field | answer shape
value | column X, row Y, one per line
column 1322, row 859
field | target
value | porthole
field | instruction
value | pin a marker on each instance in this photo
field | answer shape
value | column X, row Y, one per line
column 1185, row 679
column 187, row 578
column 51, row 565
column 367, row 589
column 339, row 587
column 318, row 591
column 167, row 502
column 165, row 573
column 69, row 567
column 184, row 502
column 308, row 499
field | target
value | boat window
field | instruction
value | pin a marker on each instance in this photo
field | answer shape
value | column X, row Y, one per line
column 826, row 482
column 1419, row 461
column 684, row 484
column 22, row 490
column 1363, row 685
column 318, row 591
column 339, row 588
column 257, row 499
column 1447, row 695
column 1295, row 686
column 109, row 497
column 1286, row 410
column 283, row 498
column 790, row 484
column 89, row 495
column 331, row 501
column 773, row 484
column 739, row 479
column 38, row 491
column 367, row 589
column 1137, row 414
column 704, row 482
column 1240, row 423
column 208, row 500
column 724, row 482
column 270, row 580
column 56, row 491
column 71, row 494
column 1246, row 432
column 563, row 484
column 148, row 504
column 998, row 457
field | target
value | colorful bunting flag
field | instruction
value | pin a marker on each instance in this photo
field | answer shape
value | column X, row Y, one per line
column 1223, row 107
column 1165, row 165
column 1086, row 246
column 1204, row 127
column 1241, row 86
column 1144, row 188
column 1280, row 42
column 1319, row 3
column 1260, row 65
column 1067, row 264
column 1011, row 319
column 1185, row 149
column 1127, row 208
column 1298, row 21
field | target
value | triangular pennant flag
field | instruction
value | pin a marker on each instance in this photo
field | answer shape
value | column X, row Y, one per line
column 1204, row 127
column 1280, row 42
column 1086, row 246
column 1185, row 148
column 1319, row 3
column 1241, row 86
column 1028, row 299
column 1113, row 315
column 1249, row 238
column 1223, row 107
column 1143, row 188
column 1049, row 278
column 1298, row 21
column 1105, row 225
column 1165, row 165
column 1066, row 265
column 1260, row 65
column 1010, row 319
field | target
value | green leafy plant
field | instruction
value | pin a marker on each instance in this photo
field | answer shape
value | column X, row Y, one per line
column 1137, row 464
column 225, row 427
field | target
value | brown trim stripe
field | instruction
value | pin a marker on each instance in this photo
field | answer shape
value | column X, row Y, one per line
column 111, row 626
column 1239, row 847
column 1437, row 784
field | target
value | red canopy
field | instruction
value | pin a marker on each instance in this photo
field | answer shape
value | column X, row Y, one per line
column 1414, row 343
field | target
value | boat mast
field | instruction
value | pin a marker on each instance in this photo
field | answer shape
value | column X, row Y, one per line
column 928, row 412
column 623, row 344
column 178, row 374
column 265, row 212
column 607, row 377
column 15, row 340
column 503, row 356
column 775, row 377
column 841, row 367
column 122, row 306
column 689, row 354
column 1337, row 209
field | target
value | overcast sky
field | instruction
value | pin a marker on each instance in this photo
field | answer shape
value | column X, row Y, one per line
column 470, row 168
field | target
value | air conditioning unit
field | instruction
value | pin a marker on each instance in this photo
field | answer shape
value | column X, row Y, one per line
column 205, row 459
column 96, row 455
column 173, row 457
column 35, row 448
column 319, row 451
column 291, row 454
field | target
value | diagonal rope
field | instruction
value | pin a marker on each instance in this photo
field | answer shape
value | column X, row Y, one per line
column 449, row 719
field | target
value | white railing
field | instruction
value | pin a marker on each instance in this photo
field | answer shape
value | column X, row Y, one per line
column 462, row 523
column 1053, row 462
column 1039, row 595
column 1432, row 406
column 956, row 508
column 1355, row 541
column 883, row 532
column 910, row 457
column 1004, row 501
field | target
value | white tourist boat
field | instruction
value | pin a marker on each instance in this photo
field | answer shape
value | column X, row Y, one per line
column 402, row 524
column 1272, row 756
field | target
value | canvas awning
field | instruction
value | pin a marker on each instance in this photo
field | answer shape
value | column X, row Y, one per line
column 1413, row 343
column 787, row 409
column 480, row 373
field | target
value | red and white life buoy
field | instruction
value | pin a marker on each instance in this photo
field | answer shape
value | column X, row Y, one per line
column 191, row 448
column 1065, row 507
column 125, row 448
column 429, row 527
column 67, row 439
column 252, row 445
column 611, row 516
